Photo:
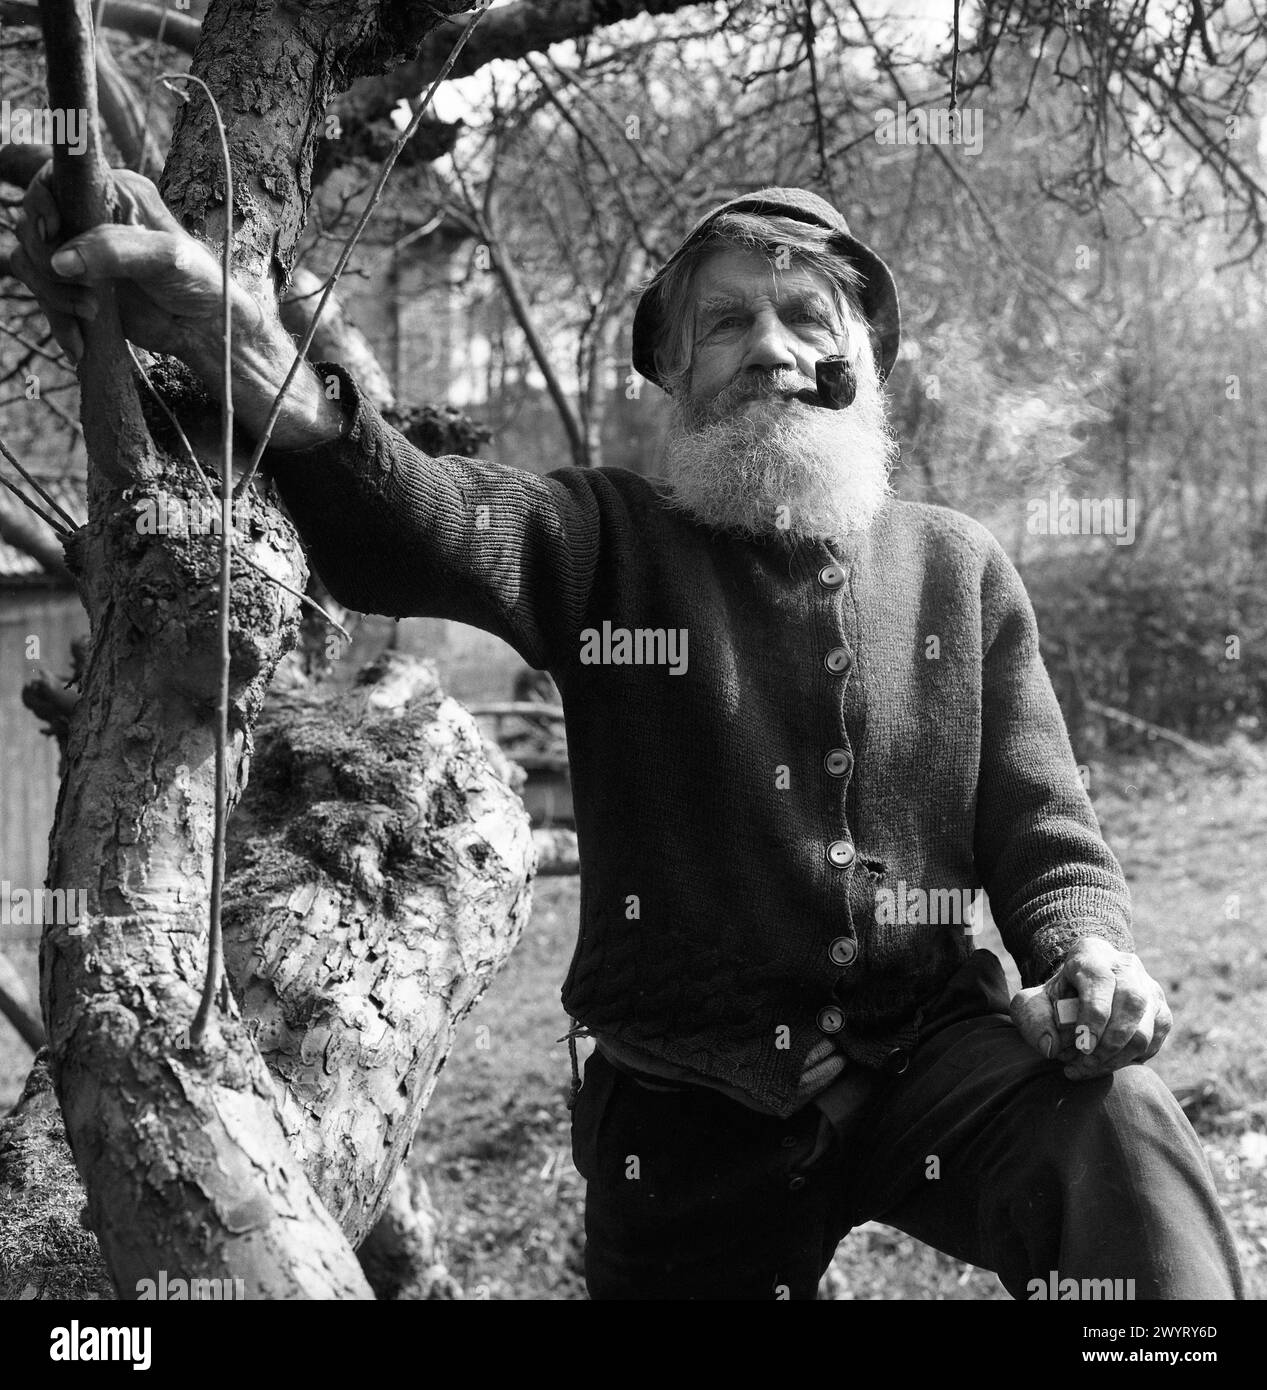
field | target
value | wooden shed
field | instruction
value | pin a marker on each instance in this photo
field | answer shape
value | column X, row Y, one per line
column 39, row 618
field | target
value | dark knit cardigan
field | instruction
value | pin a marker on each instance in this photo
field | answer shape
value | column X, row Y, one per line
column 725, row 857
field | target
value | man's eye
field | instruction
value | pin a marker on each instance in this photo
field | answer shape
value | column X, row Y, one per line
column 730, row 321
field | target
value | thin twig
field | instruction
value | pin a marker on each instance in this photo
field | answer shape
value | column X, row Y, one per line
column 64, row 416
column 39, row 511
column 172, row 420
column 45, row 392
column 954, row 62
column 1040, row 277
column 34, row 482
column 820, row 138
column 303, row 598
column 350, row 245
column 149, row 89
column 215, row 947
column 635, row 146
column 56, row 359
column 613, row 177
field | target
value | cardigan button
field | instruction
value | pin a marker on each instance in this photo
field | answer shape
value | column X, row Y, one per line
column 843, row 951
column 830, row 1019
column 831, row 576
column 840, row 854
column 837, row 660
column 896, row 1061
column 838, row 762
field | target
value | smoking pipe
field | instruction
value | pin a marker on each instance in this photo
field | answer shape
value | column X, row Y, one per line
column 837, row 385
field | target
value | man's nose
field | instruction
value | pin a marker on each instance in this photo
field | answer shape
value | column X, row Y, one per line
column 769, row 344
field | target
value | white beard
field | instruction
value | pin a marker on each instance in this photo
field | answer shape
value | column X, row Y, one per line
column 780, row 468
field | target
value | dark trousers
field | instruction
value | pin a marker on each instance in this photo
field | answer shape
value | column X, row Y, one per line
column 981, row 1148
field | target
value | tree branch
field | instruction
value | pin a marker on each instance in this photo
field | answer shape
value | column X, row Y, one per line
column 516, row 298
column 509, row 32
column 529, row 26
column 337, row 339
column 81, row 183
column 32, row 539
column 139, row 21
column 16, row 1006
column 124, row 114
column 114, row 427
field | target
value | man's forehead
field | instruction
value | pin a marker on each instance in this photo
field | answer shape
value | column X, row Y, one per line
column 741, row 274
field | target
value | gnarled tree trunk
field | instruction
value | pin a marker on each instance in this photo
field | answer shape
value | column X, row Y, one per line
column 376, row 883
column 185, row 1151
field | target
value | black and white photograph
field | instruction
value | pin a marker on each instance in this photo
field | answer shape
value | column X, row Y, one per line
column 633, row 667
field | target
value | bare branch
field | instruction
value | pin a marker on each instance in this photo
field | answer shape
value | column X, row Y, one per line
column 38, row 541
column 482, row 223
column 123, row 113
column 137, row 20
column 16, row 1006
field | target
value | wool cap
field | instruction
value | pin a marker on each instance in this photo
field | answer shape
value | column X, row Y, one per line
column 878, row 295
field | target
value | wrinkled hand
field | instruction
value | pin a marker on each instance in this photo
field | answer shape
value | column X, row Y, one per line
column 168, row 283
column 1122, row 1016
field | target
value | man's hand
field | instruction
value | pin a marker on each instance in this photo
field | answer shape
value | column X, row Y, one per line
column 169, row 290
column 169, row 284
column 1114, row 1013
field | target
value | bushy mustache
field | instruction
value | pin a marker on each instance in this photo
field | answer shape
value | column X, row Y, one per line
column 747, row 386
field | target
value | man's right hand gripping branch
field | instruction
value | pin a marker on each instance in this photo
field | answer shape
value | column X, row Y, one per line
column 169, row 294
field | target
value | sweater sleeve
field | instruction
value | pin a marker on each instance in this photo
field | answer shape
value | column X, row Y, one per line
column 392, row 530
column 1044, row 863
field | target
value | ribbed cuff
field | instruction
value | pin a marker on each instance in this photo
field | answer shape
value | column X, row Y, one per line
column 1050, row 945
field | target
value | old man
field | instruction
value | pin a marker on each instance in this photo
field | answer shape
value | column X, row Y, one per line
column 840, row 706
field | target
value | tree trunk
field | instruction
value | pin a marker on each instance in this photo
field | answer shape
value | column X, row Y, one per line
column 184, row 1151
column 377, row 883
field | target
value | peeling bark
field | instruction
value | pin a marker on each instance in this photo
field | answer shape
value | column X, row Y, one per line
column 274, row 66
column 184, row 1151
column 403, row 1257
column 377, row 882
column 184, row 1158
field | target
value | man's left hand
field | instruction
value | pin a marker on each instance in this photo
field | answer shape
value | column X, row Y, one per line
column 1122, row 1016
